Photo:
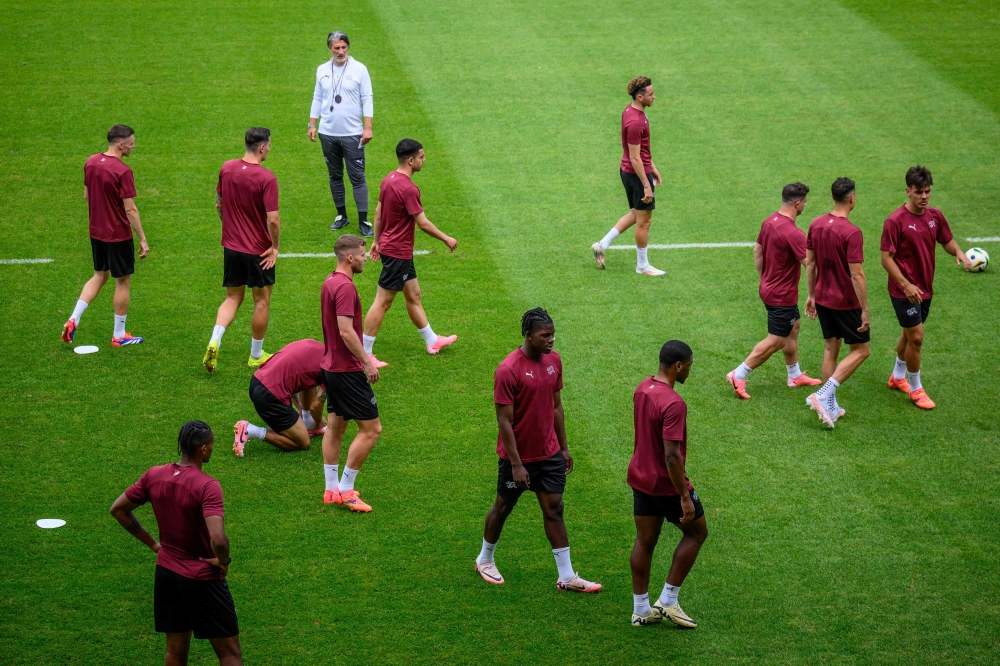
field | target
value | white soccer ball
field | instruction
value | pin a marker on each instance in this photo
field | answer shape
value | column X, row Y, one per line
column 979, row 259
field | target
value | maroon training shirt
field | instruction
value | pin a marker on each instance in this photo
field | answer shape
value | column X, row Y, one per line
column 249, row 192
column 339, row 297
column 911, row 239
column 108, row 181
column 182, row 497
column 293, row 368
column 400, row 200
column 660, row 414
column 635, row 131
column 836, row 243
column 784, row 246
column 531, row 387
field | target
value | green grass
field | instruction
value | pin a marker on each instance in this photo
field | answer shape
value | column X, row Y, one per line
column 873, row 543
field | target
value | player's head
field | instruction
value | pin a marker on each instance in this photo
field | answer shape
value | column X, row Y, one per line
column 843, row 192
column 538, row 330
column 121, row 137
column 258, row 142
column 795, row 195
column 641, row 90
column 410, row 153
column 339, row 43
column 918, row 186
column 675, row 359
column 350, row 251
column 195, row 439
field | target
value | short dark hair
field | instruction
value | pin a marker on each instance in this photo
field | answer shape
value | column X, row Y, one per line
column 407, row 148
column 534, row 318
column 794, row 192
column 919, row 176
column 337, row 36
column 674, row 351
column 193, row 436
column 119, row 132
column 842, row 189
column 347, row 242
column 256, row 136
column 638, row 85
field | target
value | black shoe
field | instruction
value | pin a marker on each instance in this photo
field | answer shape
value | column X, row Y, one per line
column 339, row 223
column 366, row 229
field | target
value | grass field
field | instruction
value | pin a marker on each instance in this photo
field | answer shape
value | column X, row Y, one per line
column 873, row 543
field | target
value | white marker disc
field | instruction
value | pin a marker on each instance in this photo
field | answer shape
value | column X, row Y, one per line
column 85, row 349
column 50, row 523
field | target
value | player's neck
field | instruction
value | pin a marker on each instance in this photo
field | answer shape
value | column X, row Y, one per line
column 530, row 352
column 665, row 378
column 841, row 211
column 112, row 151
column 189, row 462
column 251, row 158
column 406, row 170
column 637, row 106
column 788, row 211
column 346, row 269
column 910, row 206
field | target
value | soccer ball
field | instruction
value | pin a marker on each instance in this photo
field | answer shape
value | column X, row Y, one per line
column 978, row 258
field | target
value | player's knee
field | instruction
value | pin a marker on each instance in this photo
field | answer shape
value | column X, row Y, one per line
column 916, row 338
column 554, row 510
column 864, row 350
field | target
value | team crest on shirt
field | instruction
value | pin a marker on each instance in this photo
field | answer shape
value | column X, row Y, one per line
column 551, row 370
column 932, row 223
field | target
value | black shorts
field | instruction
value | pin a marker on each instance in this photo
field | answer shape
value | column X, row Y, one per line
column 633, row 191
column 396, row 272
column 350, row 396
column 118, row 257
column 183, row 604
column 781, row 319
column 240, row 269
column 278, row 416
column 910, row 315
column 548, row 475
column 842, row 324
column 668, row 506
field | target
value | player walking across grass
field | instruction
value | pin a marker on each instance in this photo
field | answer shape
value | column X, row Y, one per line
column 531, row 445
column 246, row 199
column 109, row 189
column 838, row 295
column 397, row 214
column 190, row 592
column 777, row 255
column 909, row 239
column 660, row 487
column 348, row 373
column 639, row 176
column 290, row 376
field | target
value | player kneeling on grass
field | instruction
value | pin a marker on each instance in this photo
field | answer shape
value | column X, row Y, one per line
column 661, row 488
column 190, row 593
column 532, row 447
column 289, row 376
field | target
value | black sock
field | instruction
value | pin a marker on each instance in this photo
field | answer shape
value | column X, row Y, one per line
column 362, row 217
column 342, row 211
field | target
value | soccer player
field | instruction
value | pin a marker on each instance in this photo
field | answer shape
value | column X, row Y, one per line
column 639, row 176
column 908, row 243
column 292, row 371
column 109, row 190
column 247, row 201
column 838, row 295
column 661, row 489
column 190, row 592
column 348, row 373
column 777, row 255
column 532, row 447
column 397, row 213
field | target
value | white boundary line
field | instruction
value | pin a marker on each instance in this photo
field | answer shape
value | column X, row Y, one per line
column 26, row 261
column 322, row 255
column 682, row 246
column 984, row 239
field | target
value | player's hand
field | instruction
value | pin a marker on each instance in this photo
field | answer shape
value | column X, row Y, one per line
column 811, row 307
column 373, row 252
column 144, row 249
column 520, row 475
column 963, row 261
column 865, row 321
column 912, row 293
column 647, row 194
column 311, row 133
column 569, row 460
column 214, row 561
column 270, row 256
column 687, row 506
column 371, row 371
column 451, row 243
column 656, row 177
column 155, row 547
column 366, row 136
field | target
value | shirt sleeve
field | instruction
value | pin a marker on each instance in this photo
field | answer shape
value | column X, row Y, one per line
column 855, row 248
column 211, row 499
column 797, row 241
column 944, row 231
column 411, row 200
column 126, row 186
column 367, row 107
column 271, row 194
column 674, row 419
column 633, row 133
column 343, row 301
column 316, row 109
column 504, row 386
column 137, row 492
column 890, row 237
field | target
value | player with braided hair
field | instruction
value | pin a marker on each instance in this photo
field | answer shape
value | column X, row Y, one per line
column 190, row 593
column 532, row 447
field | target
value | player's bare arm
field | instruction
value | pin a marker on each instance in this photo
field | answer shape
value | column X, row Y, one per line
column 274, row 229
column 218, row 205
column 346, row 327
column 758, row 259
column 952, row 248
column 505, row 422
column 220, row 544
column 635, row 157
column 675, row 468
column 911, row 291
column 657, row 178
column 122, row 511
column 861, row 289
column 133, row 219
column 376, row 232
column 559, row 423
column 428, row 228
column 810, row 265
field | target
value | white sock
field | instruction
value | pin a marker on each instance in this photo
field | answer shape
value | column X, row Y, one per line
column 217, row 334
column 78, row 311
column 565, row 567
column 610, row 238
column 256, row 347
column 308, row 420
column 255, row 432
column 347, row 479
column 669, row 595
column 640, row 604
column 743, row 371
column 828, row 392
column 427, row 334
column 794, row 372
column 120, row 326
column 641, row 261
column 914, row 378
column 899, row 371
column 330, row 471
column 486, row 554
column 368, row 341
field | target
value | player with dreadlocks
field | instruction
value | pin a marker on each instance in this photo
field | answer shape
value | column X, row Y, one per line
column 532, row 446
column 190, row 593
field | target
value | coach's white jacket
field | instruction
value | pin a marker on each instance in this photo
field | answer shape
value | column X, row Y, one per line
column 354, row 86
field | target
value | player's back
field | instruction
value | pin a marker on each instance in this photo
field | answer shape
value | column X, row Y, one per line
column 783, row 247
column 108, row 181
column 400, row 203
column 247, row 192
column 836, row 243
column 293, row 368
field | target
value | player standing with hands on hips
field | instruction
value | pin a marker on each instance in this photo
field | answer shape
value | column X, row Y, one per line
column 342, row 105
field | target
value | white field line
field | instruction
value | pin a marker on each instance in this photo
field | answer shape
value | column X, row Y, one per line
column 26, row 261
column 682, row 246
column 984, row 239
column 324, row 255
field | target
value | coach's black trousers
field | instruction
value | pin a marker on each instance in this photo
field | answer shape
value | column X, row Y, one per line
column 338, row 150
